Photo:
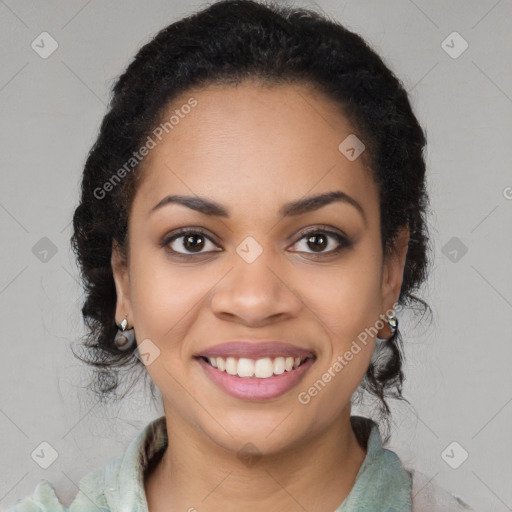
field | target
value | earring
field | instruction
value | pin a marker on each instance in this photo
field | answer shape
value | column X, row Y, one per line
column 392, row 322
column 124, row 338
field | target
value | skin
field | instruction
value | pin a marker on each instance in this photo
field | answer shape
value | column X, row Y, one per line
column 253, row 148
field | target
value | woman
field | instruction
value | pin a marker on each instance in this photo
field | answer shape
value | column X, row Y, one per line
column 252, row 218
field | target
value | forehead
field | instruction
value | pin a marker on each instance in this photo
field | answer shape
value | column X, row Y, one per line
column 250, row 144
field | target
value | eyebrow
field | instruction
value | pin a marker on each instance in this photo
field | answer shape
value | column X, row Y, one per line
column 299, row 207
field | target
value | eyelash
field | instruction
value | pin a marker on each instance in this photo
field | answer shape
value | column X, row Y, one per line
column 344, row 242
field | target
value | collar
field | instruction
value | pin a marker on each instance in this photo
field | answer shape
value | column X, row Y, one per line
column 382, row 484
column 124, row 477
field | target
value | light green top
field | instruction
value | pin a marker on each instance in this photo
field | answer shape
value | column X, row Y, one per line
column 382, row 484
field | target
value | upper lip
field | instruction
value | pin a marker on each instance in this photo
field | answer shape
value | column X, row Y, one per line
column 256, row 350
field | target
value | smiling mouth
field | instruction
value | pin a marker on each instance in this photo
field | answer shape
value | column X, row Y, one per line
column 256, row 368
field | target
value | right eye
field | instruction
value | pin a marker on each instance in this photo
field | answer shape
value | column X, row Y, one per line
column 186, row 242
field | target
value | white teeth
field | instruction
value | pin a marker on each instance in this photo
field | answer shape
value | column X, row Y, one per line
column 264, row 368
column 245, row 367
column 231, row 366
column 279, row 365
column 259, row 368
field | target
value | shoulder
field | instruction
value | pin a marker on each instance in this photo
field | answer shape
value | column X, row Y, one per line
column 117, row 486
column 430, row 497
column 42, row 498
column 90, row 496
column 385, row 469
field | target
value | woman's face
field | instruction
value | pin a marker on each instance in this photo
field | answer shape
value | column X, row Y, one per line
column 237, row 265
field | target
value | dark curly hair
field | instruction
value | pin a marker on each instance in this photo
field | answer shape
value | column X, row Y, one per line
column 225, row 43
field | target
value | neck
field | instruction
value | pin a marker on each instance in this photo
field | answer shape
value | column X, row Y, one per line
column 315, row 476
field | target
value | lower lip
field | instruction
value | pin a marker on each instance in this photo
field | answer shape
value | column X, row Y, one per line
column 252, row 388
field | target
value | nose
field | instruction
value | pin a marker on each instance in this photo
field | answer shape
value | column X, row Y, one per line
column 256, row 294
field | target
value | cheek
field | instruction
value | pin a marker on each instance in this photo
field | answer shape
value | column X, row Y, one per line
column 347, row 298
column 347, row 307
column 163, row 296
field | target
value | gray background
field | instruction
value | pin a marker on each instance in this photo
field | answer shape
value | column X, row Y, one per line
column 458, row 367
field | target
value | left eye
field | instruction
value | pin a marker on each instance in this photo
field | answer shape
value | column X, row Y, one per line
column 322, row 240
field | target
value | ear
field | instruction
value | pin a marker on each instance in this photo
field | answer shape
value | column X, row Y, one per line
column 393, row 269
column 122, row 283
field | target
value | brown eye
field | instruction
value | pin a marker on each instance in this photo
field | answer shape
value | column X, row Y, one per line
column 188, row 242
column 317, row 241
column 194, row 242
column 322, row 242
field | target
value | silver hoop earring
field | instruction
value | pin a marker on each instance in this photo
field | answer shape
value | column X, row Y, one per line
column 125, row 338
